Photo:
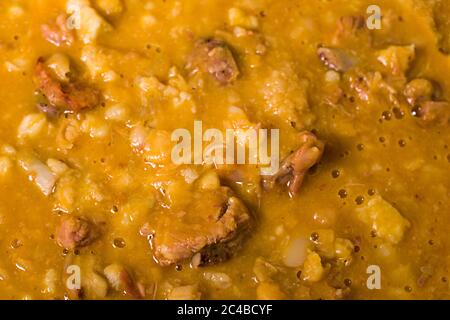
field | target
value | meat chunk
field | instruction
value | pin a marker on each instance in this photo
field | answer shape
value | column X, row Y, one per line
column 335, row 59
column 74, row 232
column 435, row 112
column 58, row 34
column 122, row 280
column 214, row 57
column 212, row 229
column 295, row 166
column 72, row 96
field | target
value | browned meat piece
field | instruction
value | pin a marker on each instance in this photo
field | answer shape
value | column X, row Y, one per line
column 295, row 166
column 67, row 97
column 75, row 232
column 212, row 229
column 122, row 280
column 335, row 59
column 435, row 112
column 214, row 57
column 58, row 34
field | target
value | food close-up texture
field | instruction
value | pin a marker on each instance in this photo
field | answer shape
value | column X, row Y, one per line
column 96, row 97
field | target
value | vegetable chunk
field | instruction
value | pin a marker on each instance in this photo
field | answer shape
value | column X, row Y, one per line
column 384, row 219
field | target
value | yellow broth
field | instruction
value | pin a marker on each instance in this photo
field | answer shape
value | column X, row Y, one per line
column 378, row 197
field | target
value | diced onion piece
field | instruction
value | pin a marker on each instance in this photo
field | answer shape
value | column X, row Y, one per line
column 113, row 274
column 5, row 165
column 138, row 136
column 31, row 125
column 8, row 150
column 296, row 253
column 218, row 279
column 185, row 293
column 95, row 127
column 190, row 175
column 148, row 20
column 209, row 181
column 95, row 285
column 39, row 173
column 332, row 76
column 264, row 271
column 58, row 167
column 117, row 112
column 89, row 23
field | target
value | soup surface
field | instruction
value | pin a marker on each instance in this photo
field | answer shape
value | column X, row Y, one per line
column 115, row 182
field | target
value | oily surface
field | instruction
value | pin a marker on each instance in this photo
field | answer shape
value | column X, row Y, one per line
column 86, row 177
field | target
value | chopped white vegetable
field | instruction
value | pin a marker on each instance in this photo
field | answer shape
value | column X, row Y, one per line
column 39, row 173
